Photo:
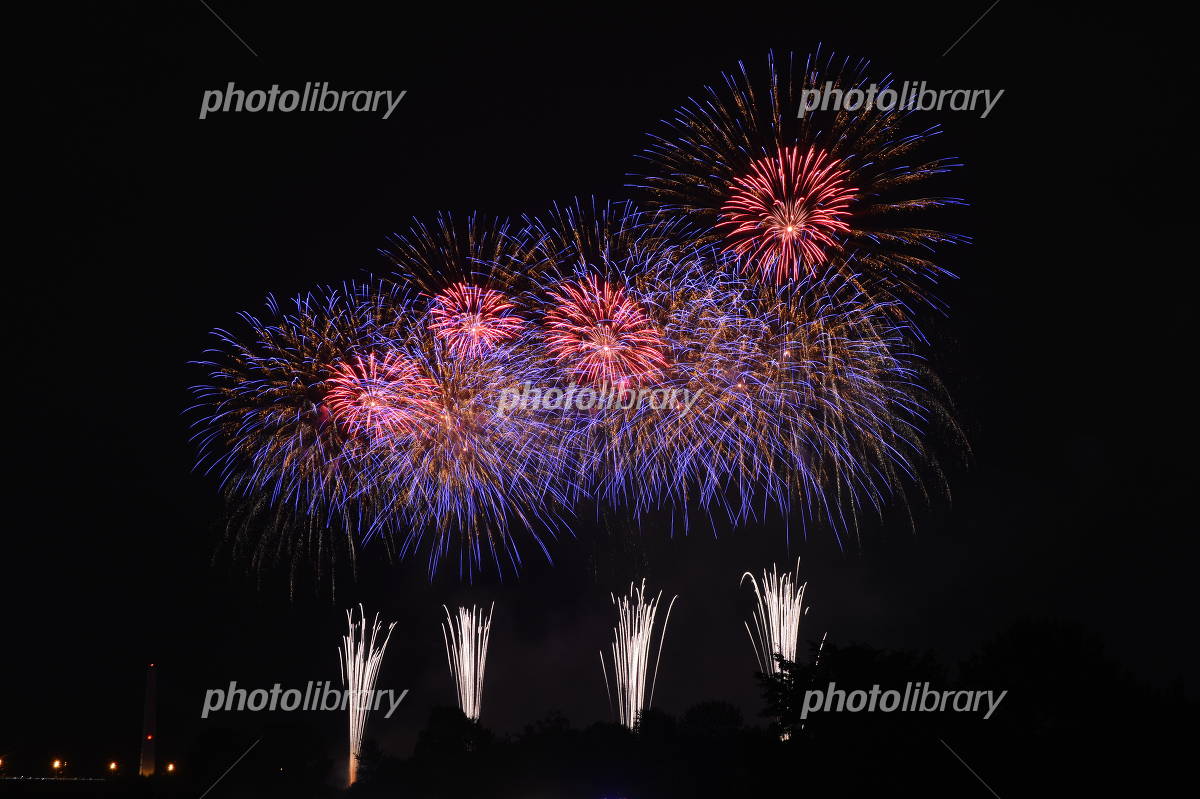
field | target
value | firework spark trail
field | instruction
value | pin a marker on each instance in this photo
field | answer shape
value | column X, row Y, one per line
column 776, row 630
column 633, row 642
column 466, row 638
column 359, row 658
column 816, row 664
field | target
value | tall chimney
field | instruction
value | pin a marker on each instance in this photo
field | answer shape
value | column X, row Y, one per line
column 146, row 765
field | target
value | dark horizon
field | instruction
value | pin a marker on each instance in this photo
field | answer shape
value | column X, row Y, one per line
column 158, row 227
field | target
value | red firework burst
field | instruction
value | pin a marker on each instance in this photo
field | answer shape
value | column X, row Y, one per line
column 472, row 320
column 380, row 396
column 603, row 333
column 783, row 215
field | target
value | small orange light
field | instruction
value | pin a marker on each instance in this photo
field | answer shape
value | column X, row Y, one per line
column 57, row 764
column 112, row 766
column 170, row 767
column 149, row 737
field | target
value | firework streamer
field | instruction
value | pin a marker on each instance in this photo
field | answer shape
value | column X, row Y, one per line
column 776, row 630
column 359, row 658
column 466, row 638
column 632, row 649
column 780, row 609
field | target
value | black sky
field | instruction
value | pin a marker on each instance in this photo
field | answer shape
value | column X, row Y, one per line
column 1063, row 349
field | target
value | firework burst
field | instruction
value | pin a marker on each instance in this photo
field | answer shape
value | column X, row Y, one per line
column 865, row 399
column 295, row 480
column 742, row 164
column 803, row 396
column 475, row 250
column 468, row 267
column 586, row 255
column 382, row 397
column 474, row 470
column 595, row 261
column 783, row 215
column 774, row 286
column 600, row 332
column 472, row 320
column 695, row 452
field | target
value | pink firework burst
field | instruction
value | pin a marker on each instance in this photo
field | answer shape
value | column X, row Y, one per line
column 783, row 215
column 472, row 320
column 380, row 396
column 603, row 333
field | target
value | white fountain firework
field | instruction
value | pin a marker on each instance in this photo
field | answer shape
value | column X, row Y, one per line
column 776, row 629
column 633, row 640
column 466, row 638
column 359, row 659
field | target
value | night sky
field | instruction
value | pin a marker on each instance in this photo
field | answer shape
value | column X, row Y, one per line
column 1062, row 349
